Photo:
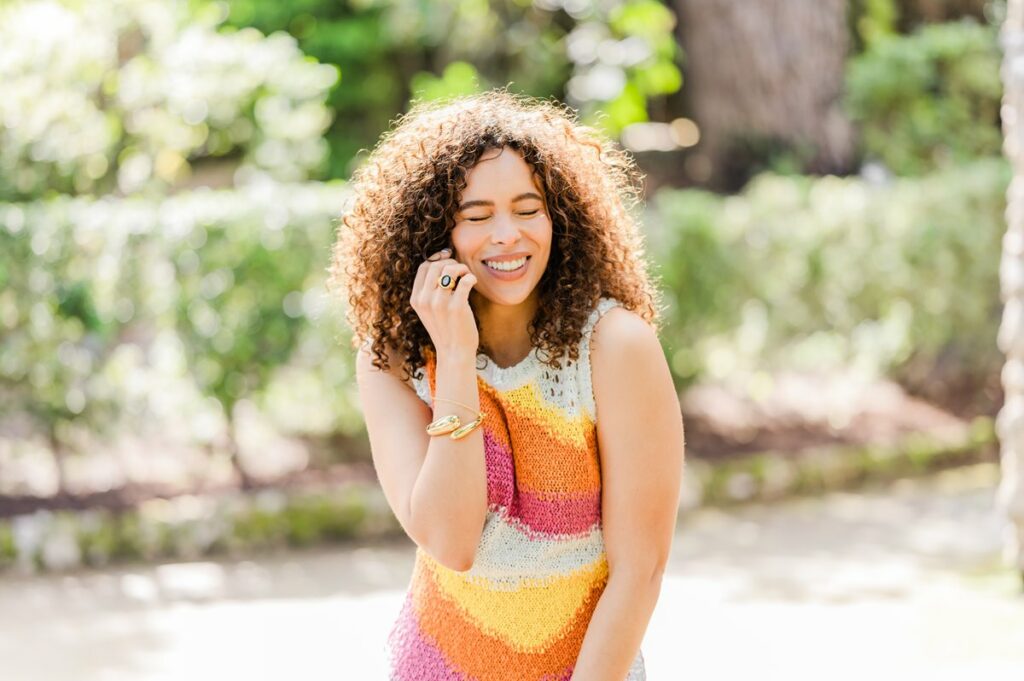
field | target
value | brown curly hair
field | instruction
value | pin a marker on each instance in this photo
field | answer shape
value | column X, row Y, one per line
column 405, row 197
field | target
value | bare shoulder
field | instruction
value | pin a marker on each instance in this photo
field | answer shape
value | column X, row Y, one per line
column 620, row 330
column 364, row 363
column 627, row 361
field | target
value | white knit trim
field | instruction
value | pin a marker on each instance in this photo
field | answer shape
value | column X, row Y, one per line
column 531, row 368
column 507, row 378
column 586, row 380
column 638, row 670
column 422, row 388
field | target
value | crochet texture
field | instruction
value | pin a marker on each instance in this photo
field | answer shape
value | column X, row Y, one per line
column 521, row 611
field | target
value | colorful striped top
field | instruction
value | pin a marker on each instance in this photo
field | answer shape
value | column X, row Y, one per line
column 521, row 611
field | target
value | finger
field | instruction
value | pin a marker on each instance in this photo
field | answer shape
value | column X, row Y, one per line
column 423, row 270
column 451, row 268
column 461, row 292
column 434, row 271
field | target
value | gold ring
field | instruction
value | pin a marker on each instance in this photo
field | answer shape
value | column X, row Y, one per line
column 446, row 281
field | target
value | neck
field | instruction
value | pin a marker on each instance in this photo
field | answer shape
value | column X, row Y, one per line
column 504, row 328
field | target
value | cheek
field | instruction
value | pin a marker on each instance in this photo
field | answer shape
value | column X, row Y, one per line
column 544, row 235
column 465, row 242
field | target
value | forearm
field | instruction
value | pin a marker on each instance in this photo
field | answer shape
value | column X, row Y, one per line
column 617, row 628
column 448, row 503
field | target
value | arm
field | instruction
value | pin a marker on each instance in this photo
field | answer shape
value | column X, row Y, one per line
column 436, row 486
column 641, row 445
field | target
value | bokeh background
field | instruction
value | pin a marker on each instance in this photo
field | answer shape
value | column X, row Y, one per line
column 182, row 454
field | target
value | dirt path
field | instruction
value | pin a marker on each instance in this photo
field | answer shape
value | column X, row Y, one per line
column 901, row 582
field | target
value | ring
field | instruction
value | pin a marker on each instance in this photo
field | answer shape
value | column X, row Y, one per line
column 446, row 281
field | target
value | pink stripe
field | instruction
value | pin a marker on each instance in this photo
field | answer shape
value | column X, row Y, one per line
column 564, row 676
column 501, row 476
column 413, row 656
column 570, row 514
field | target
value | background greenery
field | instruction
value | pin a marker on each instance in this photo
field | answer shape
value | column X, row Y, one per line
column 171, row 173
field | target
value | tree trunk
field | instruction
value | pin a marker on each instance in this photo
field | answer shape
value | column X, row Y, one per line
column 767, row 70
column 59, row 460
column 1010, row 421
column 245, row 480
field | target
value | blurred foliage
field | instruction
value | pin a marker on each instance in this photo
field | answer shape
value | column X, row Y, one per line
column 795, row 272
column 930, row 99
column 607, row 59
column 129, row 97
column 240, row 286
column 872, row 21
column 151, row 305
column 187, row 527
column 126, row 95
column 814, row 273
column 146, row 308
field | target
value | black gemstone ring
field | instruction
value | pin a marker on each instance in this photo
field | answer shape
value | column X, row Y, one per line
column 446, row 281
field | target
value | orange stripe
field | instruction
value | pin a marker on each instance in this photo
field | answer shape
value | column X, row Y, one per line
column 546, row 465
column 477, row 655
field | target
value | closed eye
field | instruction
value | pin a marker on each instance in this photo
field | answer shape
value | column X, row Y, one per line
column 524, row 214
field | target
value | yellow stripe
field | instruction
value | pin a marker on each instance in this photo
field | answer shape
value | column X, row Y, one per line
column 528, row 405
column 526, row 618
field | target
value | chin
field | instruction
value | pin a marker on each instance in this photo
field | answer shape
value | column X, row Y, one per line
column 509, row 298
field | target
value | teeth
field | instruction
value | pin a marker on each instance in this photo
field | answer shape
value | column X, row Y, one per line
column 508, row 265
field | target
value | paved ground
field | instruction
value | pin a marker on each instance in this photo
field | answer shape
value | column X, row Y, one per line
column 898, row 583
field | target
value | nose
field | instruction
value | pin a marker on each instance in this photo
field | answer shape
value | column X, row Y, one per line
column 505, row 231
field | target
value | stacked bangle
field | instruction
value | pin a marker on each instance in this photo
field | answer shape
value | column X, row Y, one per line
column 452, row 424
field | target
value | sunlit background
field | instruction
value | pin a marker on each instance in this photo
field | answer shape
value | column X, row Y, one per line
column 186, row 489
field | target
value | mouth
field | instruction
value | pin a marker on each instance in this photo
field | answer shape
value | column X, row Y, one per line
column 507, row 274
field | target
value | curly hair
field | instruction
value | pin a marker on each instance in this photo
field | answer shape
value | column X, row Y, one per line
column 404, row 200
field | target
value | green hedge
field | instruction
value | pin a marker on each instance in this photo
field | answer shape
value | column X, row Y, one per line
column 930, row 99
column 109, row 308
column 190, row 527
column 129, row 312
column 802, row 272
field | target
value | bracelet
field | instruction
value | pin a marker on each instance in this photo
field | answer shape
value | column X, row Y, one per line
column 468, row 428
column 442, row 399
column 451, row 423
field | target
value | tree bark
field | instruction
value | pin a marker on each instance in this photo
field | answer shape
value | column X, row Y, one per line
column 916, row 12
column 1010, row 420
column 771, row 69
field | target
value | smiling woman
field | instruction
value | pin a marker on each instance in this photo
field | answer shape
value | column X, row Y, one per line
column 494, row 229
column 503, row 233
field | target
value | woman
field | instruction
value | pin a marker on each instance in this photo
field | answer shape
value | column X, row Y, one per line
column 486, row 238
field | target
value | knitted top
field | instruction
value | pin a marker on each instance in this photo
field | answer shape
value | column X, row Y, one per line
column 521, row 611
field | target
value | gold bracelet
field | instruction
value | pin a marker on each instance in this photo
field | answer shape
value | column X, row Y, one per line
column 468, row 428
column 451, row 423
column 443, row 399
column 443, row 425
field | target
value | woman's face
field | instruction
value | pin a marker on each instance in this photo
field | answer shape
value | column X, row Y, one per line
column 502, row 216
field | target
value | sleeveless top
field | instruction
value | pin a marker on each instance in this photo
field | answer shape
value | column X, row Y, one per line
column 521, row 611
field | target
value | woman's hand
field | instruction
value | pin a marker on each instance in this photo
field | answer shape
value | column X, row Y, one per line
column 446, row 313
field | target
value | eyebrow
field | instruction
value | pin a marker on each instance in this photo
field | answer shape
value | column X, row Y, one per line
column 521, row 197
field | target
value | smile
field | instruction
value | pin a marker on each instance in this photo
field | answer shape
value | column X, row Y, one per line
column 503, row 271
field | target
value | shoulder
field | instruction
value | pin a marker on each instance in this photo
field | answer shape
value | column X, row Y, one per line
column 630, row 370
column 620, row 330
column 625, row 356
column 364, row 361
